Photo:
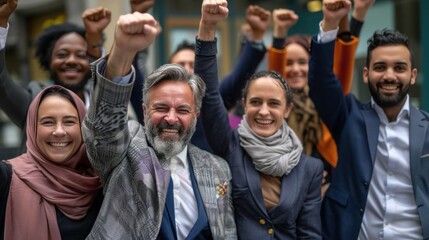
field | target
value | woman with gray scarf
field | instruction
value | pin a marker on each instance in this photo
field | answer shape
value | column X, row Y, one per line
column 276, row 188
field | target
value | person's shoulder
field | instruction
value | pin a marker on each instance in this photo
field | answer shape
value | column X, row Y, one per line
column 136, row 130
column 414, row 110
column 310, row 163
column 206, row 157
column 34, row 87
column 426, row 114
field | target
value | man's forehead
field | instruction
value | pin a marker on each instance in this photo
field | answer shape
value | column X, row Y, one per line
column 391, row 53
column 171, row 92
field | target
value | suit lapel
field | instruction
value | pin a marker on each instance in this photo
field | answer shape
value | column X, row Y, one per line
column 206, row 182
column 372, row 124
column 202, row 220
column 169, row 204
column 418, row 128
column 254, row 181
column 203, row 176
column 289, row 189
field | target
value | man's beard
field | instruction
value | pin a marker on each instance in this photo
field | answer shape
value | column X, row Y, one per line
column 388, row 101
column 168, row 147
column 74, row 87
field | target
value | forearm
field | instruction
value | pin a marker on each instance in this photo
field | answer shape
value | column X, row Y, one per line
column 325, row 89
column 214, row 115
column 344, row 59
column 231, row 87
column 14, row 100
column 105, row 128
column 119, row 63
column 277, row 60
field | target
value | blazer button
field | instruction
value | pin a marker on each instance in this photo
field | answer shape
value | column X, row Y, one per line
column 270, row 231
column 361, row 211
column 262, row 221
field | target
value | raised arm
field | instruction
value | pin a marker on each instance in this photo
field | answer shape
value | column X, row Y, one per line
column 105, row 128
column 251, row 55
column 347, row 43
column 325, row 89
column 14, row 99
column 283, row 20
column 95, row 21
column 214, row 115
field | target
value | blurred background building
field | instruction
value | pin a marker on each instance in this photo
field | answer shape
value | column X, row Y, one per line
column 179, row 20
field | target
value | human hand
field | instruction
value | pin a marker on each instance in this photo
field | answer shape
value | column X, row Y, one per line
column 142, row 6
column 258, row 19
column 325, row 184
column 361, row 8
column 135, row 31
column 333, row 12
column 212, row 12
column 7, row 7
column 283, row 20
column 96, row 19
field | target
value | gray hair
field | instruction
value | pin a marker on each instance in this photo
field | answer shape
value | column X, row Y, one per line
column 178, row 73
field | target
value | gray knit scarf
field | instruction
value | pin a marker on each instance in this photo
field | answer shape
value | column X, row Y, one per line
column 276, row 155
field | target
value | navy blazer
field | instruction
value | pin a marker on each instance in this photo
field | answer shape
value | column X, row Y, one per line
column 355, row 128
column 298, row 213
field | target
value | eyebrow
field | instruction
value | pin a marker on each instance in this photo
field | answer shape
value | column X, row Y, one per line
column 184, row 105
column 402, row 62
column 52, row 117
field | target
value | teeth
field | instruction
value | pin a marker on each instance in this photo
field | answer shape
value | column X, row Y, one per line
column 264, row 121
column 59, row 144
column 170, row 130
column 388, row 87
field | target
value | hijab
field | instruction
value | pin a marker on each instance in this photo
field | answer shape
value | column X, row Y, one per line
column 39, row 186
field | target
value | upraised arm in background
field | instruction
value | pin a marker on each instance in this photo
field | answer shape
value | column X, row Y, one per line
column 95, row 21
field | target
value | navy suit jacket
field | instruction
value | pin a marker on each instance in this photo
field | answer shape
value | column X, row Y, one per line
column 297, row 216
column 355, row 128
column 201, row 228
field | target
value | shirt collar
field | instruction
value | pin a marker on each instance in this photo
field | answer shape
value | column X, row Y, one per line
column 183, row 156
column 405, row 110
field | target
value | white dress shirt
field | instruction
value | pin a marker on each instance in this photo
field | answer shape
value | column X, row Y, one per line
column 3, row 36
column 324, row 37
column 391, row 211
column 185, row 204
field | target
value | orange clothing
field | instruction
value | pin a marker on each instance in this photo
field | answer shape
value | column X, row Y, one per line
column 344, row 61
column 344, row 58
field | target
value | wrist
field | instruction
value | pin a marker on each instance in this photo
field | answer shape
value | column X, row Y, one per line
column 280, row 33
column 359, row 15
column 257, row 37
column 3, row 23
column 329, row 25
column 207, row 31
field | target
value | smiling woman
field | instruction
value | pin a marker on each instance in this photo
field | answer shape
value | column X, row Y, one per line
column 58, row 129
column 46, row 175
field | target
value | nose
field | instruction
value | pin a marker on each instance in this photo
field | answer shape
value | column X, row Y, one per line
column 294, row 67
column 171, row 116
column 390, row 74
column 71, row 59
column 59, row 131
column 264, row 110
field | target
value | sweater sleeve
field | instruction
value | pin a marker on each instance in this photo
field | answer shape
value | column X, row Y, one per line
column 277, row 60
column 344, row 61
